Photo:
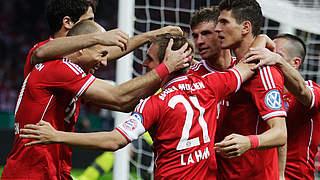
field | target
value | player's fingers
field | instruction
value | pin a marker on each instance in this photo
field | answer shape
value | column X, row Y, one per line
column 33, row 143
column 29, row 136
column 188, row 52
column 169, row 47
column 184, row 48
column 42, row 122
column 31, row 126
column 29, row 131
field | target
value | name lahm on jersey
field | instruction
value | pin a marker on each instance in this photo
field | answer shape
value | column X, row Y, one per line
column 195, row 157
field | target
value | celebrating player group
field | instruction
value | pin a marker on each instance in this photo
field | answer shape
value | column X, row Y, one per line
column 242, row 112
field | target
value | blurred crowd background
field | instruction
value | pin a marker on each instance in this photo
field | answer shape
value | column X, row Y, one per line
column 22, row 25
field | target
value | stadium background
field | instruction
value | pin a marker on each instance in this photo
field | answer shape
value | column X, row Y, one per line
column 23, row 23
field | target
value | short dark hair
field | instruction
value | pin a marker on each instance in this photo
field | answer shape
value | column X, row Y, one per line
column 84, row 27
column 297, row 47
column 162, row 41
column 244, row 10
column 58, row 9
column 205, row 15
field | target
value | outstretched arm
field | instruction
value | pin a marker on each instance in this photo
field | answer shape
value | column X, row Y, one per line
column 59, row 47
column 293, row 81
column 134, row 42
column 127, row 95
column 44, row 133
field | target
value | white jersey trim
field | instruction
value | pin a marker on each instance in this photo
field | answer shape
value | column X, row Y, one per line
column 83, row 88
column 140, row 106
column 238, row 76
column 181, row 78
column 44, row 112
column 274, row 114
column 21, row 94
column 75, row 68
column 310, row 139
column 267, row 78
column 310, row 87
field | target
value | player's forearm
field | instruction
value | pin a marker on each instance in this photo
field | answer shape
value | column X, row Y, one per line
column 134, row 42
column 282, row 156
column 104, row 141
column 295, row 83
column 138, row 88
column 245, row 70
column 263, row 41
column 276, row 136
column 59, row 47
column 125, row 96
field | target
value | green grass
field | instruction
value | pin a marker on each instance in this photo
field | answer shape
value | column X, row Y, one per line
column 77, row 172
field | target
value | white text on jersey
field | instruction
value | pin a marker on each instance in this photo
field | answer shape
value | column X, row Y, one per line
column 183, row 87
column 194, row 157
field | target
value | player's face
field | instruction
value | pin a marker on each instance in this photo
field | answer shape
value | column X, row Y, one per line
column 281, row 49
column 89, row 15
column 93, row 58
column 206, row 40
column 152, row 60
column 229, row 31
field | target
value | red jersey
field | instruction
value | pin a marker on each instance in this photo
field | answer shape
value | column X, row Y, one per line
column 28, row 66
column 181, row 124
column 50, row 92
column 259, row 99
column 303, row 124
column 201, row 68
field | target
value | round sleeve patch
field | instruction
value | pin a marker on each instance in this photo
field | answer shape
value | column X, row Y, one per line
column 273, row 100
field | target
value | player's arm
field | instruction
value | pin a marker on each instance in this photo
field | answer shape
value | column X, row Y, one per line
column 59, row 47
column 134, row 42
column 44, row 133
column 293, row 80
column 235, row 145
column 127, row 95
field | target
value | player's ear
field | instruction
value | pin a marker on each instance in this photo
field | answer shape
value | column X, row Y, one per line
column 296, row 62
column 246, row 27
column 67, row 22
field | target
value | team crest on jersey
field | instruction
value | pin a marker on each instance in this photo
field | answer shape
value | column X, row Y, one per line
column 132, row 123
column 273, row 100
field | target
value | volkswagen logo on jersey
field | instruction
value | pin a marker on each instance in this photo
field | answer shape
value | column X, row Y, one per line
column 132, row 123
column 273, row 100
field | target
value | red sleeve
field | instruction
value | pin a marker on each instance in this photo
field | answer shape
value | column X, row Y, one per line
column 67, row 76
column 149, row 109
column 224, row 83
column 266, row 89
column 315, row 91
column 28, row 66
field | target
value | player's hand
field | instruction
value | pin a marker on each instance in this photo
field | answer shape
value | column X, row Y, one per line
column 42, row 132
column 175, row 60
column 265, row 56
column 262, row 41
column 170, row 29
column 114, row 37
column 233, row 145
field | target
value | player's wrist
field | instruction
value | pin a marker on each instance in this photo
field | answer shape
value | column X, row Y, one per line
column 162, row 70
column 254, row 141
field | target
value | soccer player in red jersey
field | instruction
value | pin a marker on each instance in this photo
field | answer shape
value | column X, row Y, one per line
column 52, row 92
column 62, row 15
column 302, row 103
column 255, row 118
column 179, row 119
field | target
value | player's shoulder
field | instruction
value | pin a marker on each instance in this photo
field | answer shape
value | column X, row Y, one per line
column 61, row 69
column 311, row 84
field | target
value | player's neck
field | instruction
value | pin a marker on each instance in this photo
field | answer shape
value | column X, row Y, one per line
column 222, row 62
column 243, row 47
column 60, row 33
